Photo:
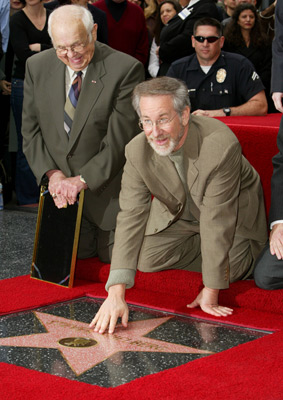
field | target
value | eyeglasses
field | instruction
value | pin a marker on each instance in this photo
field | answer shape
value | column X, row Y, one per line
column 210, row 39
column 147, row 124
column 75, row 48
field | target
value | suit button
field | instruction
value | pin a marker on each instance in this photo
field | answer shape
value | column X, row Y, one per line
column 69, row 156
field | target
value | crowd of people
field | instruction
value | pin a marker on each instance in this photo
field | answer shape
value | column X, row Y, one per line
column 78, row 77
column 157, row 33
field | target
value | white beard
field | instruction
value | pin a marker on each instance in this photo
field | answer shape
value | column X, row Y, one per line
column 169, row 148
column 164, row 150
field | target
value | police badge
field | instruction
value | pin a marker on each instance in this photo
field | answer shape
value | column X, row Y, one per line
column 221, row 75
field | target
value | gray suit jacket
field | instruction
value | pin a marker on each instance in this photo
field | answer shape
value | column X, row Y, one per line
column 225, row 189
column 104, row 123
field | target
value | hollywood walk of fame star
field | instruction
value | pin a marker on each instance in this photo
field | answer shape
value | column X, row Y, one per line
column 69, row 337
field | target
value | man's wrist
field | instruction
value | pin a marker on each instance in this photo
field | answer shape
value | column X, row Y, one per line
column 277, row 222
column 82, row 182
column 227, row 111
column 51, row 172
column 82, row 179
column 216, row 291
column 117, row 290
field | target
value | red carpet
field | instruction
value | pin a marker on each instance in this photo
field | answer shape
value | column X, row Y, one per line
column 257, row 136
column 250, row 371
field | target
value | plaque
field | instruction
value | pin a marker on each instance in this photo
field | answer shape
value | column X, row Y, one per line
column 56, row 240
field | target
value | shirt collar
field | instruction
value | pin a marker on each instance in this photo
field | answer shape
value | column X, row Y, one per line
column 194, row 64
column 72, row 73
column 192, row 3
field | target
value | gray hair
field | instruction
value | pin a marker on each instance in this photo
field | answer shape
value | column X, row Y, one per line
column 162, row 86
column 71, row 12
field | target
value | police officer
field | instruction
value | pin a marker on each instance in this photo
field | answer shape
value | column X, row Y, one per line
column 219, row 83
column 174, row 42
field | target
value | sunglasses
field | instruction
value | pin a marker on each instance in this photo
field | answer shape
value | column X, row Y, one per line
column 210, row 39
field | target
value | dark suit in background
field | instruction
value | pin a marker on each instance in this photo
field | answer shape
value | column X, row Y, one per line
column 268, row 272
column 277, row 51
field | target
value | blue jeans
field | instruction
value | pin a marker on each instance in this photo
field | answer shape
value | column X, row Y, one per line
column 27, row 190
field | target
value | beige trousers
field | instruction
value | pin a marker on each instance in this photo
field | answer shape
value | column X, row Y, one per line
column 178, row 247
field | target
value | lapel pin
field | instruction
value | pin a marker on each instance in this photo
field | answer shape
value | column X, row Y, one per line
column 93, row 81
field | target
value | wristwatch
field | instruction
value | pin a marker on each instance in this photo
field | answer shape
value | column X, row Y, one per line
column 227, row 111
column 82, row 179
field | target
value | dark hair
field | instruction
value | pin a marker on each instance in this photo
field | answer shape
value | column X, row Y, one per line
column 233, row 33
column 158, row 24
column 210, row 22
column 64, row 2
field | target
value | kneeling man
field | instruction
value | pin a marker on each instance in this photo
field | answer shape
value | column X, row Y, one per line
column 189, row 200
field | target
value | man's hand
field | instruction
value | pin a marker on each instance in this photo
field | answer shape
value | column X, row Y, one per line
column 113, row 307
column 55, row 177
column 276, row 241
column 70, row 188
column 5, row 86
column 277, row 100
column 35, row 47
column 210, row 113
column 64, row 190
column 208, row 302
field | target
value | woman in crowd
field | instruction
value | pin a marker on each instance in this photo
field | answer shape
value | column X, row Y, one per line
column 166, row 10
column 244, row 35
column 28, row 36
column 150, row 14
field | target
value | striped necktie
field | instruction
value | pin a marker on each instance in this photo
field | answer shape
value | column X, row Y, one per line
column 71, row 102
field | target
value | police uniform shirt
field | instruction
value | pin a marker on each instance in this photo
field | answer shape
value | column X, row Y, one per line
column 230, row 82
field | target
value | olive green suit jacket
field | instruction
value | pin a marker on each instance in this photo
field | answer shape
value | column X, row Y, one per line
column 103, row 124
column 226, row 193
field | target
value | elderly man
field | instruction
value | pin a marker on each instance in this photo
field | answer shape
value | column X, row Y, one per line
column 207, row 212
column 77, row 119
column 219, row 83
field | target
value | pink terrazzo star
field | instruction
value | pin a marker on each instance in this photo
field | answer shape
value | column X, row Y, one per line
column 81, row 359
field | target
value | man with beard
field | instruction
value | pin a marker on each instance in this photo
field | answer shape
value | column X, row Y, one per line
column 189, row 200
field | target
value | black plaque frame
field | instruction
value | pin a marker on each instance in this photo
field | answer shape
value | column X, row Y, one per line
column 56, row 241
